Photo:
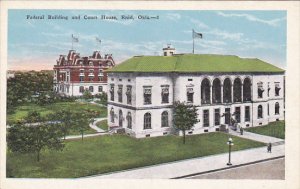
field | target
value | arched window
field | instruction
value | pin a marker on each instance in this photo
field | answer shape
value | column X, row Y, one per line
column 165, row 119
column 129, row 120
column 277, row 108
column 147, row 121
column 112, row 115
column 227, row 91
column 247, row 90
column 120, row 118
column 259, row 112
column 205, row 91
column 81, row 89
column 237, row 90
column 216, row 91
column 91, row 89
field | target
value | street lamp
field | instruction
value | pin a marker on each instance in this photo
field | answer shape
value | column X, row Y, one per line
column 230, row 143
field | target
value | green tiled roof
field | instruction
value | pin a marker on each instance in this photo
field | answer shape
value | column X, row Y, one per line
column 194, row 63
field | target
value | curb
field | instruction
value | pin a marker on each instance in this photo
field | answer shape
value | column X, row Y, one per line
column 227, row 168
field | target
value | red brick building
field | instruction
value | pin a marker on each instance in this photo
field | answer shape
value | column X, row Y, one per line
column 74, row 74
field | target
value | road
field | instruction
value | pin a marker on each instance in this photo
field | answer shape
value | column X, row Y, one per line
column 273, row 169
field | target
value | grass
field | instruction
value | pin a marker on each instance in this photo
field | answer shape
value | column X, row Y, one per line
column 22, row 111
column 106, row 153
column 274, row 129
column 103, row 125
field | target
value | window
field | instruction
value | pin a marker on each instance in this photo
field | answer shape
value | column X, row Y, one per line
column 165, row 119
column 147, row 121
column 247, row 113
column 269, row 89
column 165, row 53
column 91, row 78
column 129, row 120
column 190, row 95
column 120, row 92
column 190, row 79
column 260, row 90
column 205, row 118
column 238, row 114
column 112, row 92
column 100, row 88
column 276, row 108
column 81, row 78
column 277, row 88
column 81, row 89
column 227, row 115
column 165, row 95
column 112, row 115
column 120, row 79
column 91, row 89
column 100, row 78
column 259, row 112
column 128, row 94
column 217, row 117
column 91, row 63
column 147, row 95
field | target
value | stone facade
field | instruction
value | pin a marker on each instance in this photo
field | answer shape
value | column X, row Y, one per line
column 253, row 99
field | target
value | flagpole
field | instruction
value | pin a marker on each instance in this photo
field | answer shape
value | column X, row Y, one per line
column 193, row 42
column 72, row 42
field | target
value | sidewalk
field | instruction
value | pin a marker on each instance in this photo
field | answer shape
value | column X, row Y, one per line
column 95, row 127
column 256, row 137
column 196, row 165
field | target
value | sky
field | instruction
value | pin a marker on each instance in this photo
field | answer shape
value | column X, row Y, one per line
column 35, row 44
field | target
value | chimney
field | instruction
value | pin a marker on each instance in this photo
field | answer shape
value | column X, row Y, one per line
column 169, row 51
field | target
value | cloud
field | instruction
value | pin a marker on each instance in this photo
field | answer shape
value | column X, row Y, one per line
column 225, row 34
column 199, row 24
column 173, row 16
column 273, row 22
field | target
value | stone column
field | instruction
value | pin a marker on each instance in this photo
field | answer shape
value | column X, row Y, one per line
column 210, row 94
column 242, row 92
column 231, row 93
column 221, row 93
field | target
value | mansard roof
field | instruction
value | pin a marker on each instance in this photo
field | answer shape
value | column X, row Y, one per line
column 191, row 63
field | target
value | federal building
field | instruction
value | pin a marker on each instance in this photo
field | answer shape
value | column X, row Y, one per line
column 74, row 74
column 143, row 89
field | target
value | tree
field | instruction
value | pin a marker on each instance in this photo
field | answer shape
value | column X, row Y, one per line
column 185, row 117
column 87, row 95
column 66, row 120
column 33, row 138
column 83, row 119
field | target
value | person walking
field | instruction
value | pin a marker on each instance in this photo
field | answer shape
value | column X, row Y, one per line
column 270, row 147
column 241, row 130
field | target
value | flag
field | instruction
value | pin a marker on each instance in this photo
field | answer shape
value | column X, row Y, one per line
column 197, row 35
column 98, row 40
column 74, row 39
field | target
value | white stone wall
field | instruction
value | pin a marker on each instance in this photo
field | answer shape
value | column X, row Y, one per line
column 181, row 81
column 74, row 88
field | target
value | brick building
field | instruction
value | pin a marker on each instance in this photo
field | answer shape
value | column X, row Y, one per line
column 74, row 74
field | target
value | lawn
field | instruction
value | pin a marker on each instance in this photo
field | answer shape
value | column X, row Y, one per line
column 107, row 153
column 103, row 125
column 21, row 111
column 274, row 129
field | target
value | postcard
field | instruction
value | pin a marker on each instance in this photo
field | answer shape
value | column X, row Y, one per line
column 168, row 94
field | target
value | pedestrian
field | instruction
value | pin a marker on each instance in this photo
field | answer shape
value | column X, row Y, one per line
column 241, row 130
column 270, row 147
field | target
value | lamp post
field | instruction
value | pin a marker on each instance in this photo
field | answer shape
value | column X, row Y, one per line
column 230, row 143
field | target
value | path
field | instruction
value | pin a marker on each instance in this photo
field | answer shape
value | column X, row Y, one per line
column 197, row 165
column 256, row 137
column 95, row 127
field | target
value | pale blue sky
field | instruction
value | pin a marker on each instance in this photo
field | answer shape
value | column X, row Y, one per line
column 36, row 44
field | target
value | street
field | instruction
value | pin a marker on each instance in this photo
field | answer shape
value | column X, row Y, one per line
column 273, row 169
